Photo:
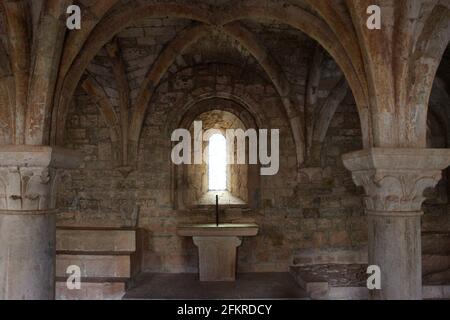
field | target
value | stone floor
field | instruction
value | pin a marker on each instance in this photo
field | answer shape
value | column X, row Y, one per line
column 187, row 286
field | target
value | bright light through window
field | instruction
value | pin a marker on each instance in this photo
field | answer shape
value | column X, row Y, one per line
column 217, row 165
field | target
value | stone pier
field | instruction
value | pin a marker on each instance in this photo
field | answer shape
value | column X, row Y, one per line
column 394, row 181
column 28, row 182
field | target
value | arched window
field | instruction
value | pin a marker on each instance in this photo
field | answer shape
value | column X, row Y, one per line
column 217, row 163
column 198, row 184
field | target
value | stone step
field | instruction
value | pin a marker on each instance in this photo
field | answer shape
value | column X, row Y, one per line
column 436, row 243
column 95, row 240
column 433, row 263
column 95, row 266
column 107, row 257
column 440, row 277
column 436, row 269
column 319, row 280
column 436, row 292
column 91, row 291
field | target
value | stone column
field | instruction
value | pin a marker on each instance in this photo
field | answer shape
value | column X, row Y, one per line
column 394, row 181
column 28, row 179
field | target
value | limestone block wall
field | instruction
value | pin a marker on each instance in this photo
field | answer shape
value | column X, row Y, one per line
column 319, row 208
column 322, row 210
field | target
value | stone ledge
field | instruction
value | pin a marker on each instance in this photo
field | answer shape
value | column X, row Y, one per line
column 338, row 256
column 436, row 292
column 95, row 266
column 38, row 156
column 91, row 291
column 95, row 240
column 397, row 159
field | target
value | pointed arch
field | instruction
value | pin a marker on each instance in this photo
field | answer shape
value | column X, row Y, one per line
column 99, row 97
column 430, row 48
column 167, row 57
column 7, row 92
column 17, row 13
column 294, row 16
column 47, row 51
column 279, row 80
column 102, row 34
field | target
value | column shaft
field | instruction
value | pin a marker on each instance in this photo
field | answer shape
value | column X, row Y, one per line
column 27, row 251
column 395, row 246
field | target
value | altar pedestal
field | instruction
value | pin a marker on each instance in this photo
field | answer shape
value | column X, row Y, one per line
column 217, row 248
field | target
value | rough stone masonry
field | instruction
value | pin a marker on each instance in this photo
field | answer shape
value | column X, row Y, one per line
column 86, row 118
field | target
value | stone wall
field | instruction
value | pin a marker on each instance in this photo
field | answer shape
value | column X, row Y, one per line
column 322, row 211
column 318, row 208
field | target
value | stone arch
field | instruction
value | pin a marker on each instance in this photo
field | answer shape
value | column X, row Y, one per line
column 294, row 16
column 340, row 22
column 433, row 41
column 36, row 35
column 318, row 117
column 47, row 50
column 17, row 13
column 157, row 71
column 205, row 103
column 238, row 95
column 278, row 78
column 7, row 92
column 76, row 38
column 245, row 37
column 186, row 39
column 99, row 97
column 104, row 31
column 73, row 45
column 196, row 106
column 400, row 75
column 324, row 117
column 311, row 94
column 320, row 31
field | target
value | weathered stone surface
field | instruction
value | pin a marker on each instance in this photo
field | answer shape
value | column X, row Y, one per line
column 394, row 181
column 217, row 257
column 95, row 266
column 217, row 248
column 91, row 291
column 28, row 182
column 108, row 198
column 309, row 68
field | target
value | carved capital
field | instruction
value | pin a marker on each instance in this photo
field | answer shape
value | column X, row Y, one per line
column 394, row 180
column 29, row 176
